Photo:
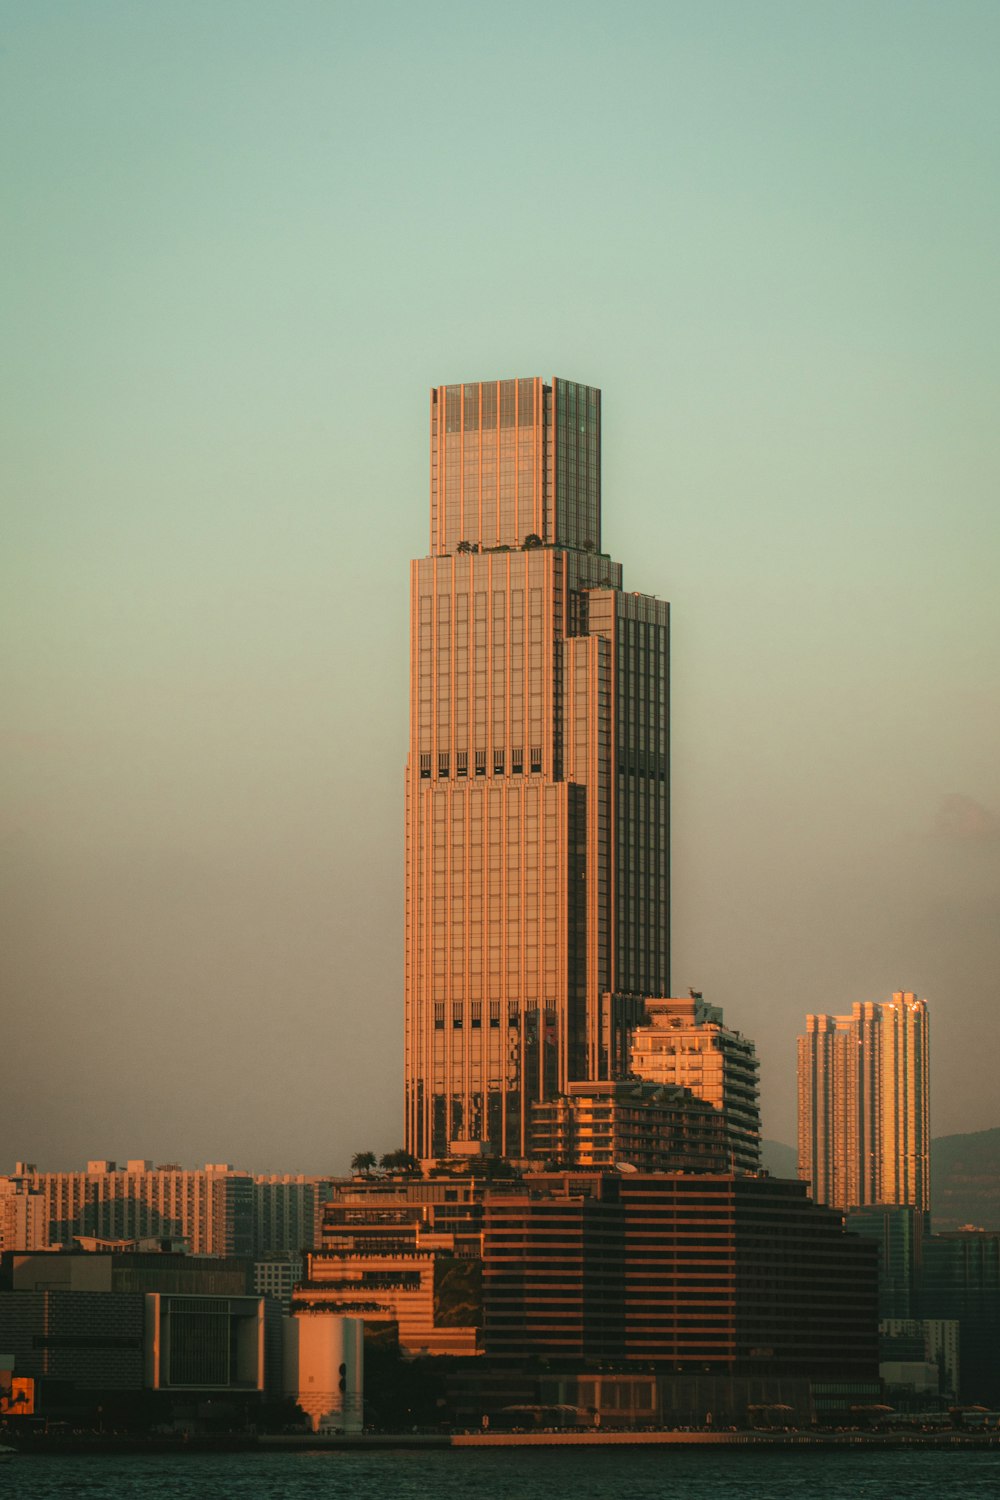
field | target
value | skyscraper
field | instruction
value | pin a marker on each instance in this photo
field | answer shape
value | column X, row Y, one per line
column 864, row 1105
column 537, row 809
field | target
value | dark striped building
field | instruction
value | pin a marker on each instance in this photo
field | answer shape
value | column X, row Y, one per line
column 721, row 1274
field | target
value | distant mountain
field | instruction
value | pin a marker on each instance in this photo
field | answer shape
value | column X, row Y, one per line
column 965, row 1180
column 965, row 1177
column 778, row 1159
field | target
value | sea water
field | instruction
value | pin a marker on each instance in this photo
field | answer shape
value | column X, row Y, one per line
column 662, row 1473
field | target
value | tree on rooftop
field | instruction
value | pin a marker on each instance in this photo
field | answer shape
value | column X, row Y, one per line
column 399, row 1161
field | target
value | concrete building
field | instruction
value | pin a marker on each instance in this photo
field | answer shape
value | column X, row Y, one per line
column 684, row 1042
column 276, row 1275
column 204, row 1343
column 120, row 1341
column 24, row 1220
column 82, row 1340
column 653, row 1127
column 405, row 1256
column 864, row 1105
column 920, row 1355
column 124, row 1271
column 285, row 1212
column 537, row 787
column 211, row 1209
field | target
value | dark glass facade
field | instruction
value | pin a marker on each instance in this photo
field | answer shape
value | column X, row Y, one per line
column 699, row 1274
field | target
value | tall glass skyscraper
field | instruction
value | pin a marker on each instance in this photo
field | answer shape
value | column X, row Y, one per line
column 537, row 807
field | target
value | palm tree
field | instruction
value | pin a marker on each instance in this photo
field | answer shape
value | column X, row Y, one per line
column 399, row 1161
column 362, row 1163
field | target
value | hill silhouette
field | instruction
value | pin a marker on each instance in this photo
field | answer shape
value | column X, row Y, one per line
column 965, row 1177
column 965, row 1180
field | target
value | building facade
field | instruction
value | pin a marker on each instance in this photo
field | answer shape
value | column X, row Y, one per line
column 207, row 1343
column 405, row 1256
column 285, row 1216
column 277, row 1274
column 864, row 1105
column 24, row 1219
column 684, row 1043
column 210, row 1209
column 652, row 1127
column 124, row 1271
column 130, row 1340
column 961, row 1282
column 537, row 787
column 722, row 1274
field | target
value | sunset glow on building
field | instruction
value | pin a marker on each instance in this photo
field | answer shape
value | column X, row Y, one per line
column 537, row 822
column 864, row 1105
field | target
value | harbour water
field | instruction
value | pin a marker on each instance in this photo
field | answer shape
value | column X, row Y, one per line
column 511, row 1474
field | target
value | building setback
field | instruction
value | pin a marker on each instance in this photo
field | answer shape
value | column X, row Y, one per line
column 537, row 787
column 653, row 1127
column 404, row 1255
column 683, row 1042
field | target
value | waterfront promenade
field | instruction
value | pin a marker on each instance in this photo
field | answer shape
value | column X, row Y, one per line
column 65, row 1443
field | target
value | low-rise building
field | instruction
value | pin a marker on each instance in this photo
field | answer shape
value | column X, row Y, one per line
column 129, row 1341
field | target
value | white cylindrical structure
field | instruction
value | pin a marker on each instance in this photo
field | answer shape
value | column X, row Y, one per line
column 324, row 1369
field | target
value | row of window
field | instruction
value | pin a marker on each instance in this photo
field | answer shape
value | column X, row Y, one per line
column 480, row 763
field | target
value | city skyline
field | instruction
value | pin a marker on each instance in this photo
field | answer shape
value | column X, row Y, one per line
column 242, row 246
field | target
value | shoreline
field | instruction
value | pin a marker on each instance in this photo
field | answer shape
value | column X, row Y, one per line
column 78, row 1444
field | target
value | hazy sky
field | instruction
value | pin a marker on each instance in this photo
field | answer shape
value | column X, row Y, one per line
column 240, row 242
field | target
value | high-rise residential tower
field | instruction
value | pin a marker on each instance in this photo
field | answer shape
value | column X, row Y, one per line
column 864, row 1105
column 211, row 1209
column 537, row 817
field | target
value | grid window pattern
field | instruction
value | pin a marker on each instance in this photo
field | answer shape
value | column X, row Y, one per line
column 535, row 884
